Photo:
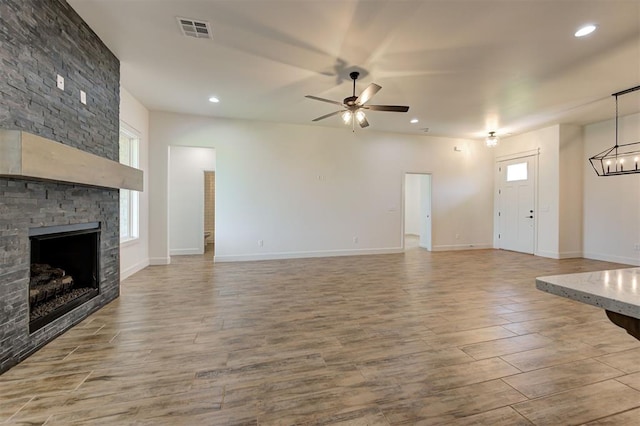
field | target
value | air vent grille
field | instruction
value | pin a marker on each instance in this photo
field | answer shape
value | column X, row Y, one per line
column 194, row 28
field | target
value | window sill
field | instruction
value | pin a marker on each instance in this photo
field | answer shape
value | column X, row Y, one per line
column 129, row 242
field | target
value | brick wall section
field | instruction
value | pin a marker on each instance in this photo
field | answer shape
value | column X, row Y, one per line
column 38, row 40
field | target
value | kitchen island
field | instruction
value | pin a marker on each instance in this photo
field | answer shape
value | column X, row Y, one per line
column 617, row 291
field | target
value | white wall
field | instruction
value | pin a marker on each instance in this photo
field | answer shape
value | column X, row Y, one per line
column 307, row 190
column 412, row 204
column 186, row 198
column 571, row 165
column 134, row 255
column 612, row 203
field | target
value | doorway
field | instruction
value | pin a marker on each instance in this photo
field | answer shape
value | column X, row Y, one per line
column 187, row 198
column 516, row 218
column 417, row 211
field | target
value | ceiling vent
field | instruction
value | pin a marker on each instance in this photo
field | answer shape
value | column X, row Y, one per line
column 195, row 29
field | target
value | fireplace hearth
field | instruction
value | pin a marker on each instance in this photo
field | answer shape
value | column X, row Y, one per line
column 64, row 270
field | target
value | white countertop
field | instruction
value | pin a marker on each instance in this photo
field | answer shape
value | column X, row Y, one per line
column 616, row 290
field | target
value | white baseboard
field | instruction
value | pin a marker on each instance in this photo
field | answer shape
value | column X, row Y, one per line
column 547, row 254
column 635, row 261
column 126, row 273
column 301, row 255
column 185, row 252
column 159, row 260
column 462, row 247
column 570, row 255
column 557, row 255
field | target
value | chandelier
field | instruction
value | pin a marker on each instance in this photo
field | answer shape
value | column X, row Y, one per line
column 620, row 159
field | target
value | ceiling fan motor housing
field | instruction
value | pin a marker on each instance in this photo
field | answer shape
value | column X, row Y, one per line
column 350, row 101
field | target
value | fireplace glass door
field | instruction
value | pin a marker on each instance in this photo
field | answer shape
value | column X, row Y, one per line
column 64, row 270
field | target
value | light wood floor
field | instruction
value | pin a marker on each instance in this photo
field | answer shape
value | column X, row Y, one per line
column 455, row 338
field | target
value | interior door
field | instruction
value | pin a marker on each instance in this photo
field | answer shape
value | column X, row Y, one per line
column 516, row 204
column 425, row 212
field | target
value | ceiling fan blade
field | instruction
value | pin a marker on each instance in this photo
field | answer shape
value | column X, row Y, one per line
column 363, row 123
column 368, row 93
column 315, row 98
column 327, row 115
column 392, row 108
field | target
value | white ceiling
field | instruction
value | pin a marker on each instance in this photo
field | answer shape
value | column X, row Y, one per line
column 464, row 66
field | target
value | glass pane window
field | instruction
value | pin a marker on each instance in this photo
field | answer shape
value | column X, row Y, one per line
column 516, row 172
column 125, row 195
column 129, row 144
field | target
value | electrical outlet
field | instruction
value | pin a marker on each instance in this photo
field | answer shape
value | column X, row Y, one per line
column 83, row 97
column 457, row 236
column 355, row 240
column 260, row 243
column 60, row 82
column 636, row 246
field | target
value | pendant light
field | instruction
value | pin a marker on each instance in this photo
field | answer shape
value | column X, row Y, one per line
column 621, row 159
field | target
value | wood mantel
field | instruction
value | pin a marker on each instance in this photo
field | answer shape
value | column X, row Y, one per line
column 26, row 155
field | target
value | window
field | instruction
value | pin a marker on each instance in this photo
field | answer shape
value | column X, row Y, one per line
column 129, row 145
column 516, row 172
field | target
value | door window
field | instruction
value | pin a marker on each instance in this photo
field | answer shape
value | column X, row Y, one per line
column 516, row 172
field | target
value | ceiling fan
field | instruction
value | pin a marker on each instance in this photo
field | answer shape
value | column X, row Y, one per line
column 354, row 106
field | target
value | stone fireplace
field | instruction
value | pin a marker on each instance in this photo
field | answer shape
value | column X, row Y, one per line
column 28, row 204
column 59, row 172
column 60, row 252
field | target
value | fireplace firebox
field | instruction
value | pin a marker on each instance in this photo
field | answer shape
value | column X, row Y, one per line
column 64, row 270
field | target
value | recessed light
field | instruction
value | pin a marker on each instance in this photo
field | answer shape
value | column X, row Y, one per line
column 214, row 100
column 585, row 30
column 414, row 121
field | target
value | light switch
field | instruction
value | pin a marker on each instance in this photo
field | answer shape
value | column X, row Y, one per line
column 83, row 97
column 60, row 82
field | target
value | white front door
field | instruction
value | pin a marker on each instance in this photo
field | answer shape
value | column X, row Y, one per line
column 516, row 204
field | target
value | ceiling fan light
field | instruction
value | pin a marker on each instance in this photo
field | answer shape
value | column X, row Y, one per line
column 346, row 117
column 360, row 116
column 492, row 140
